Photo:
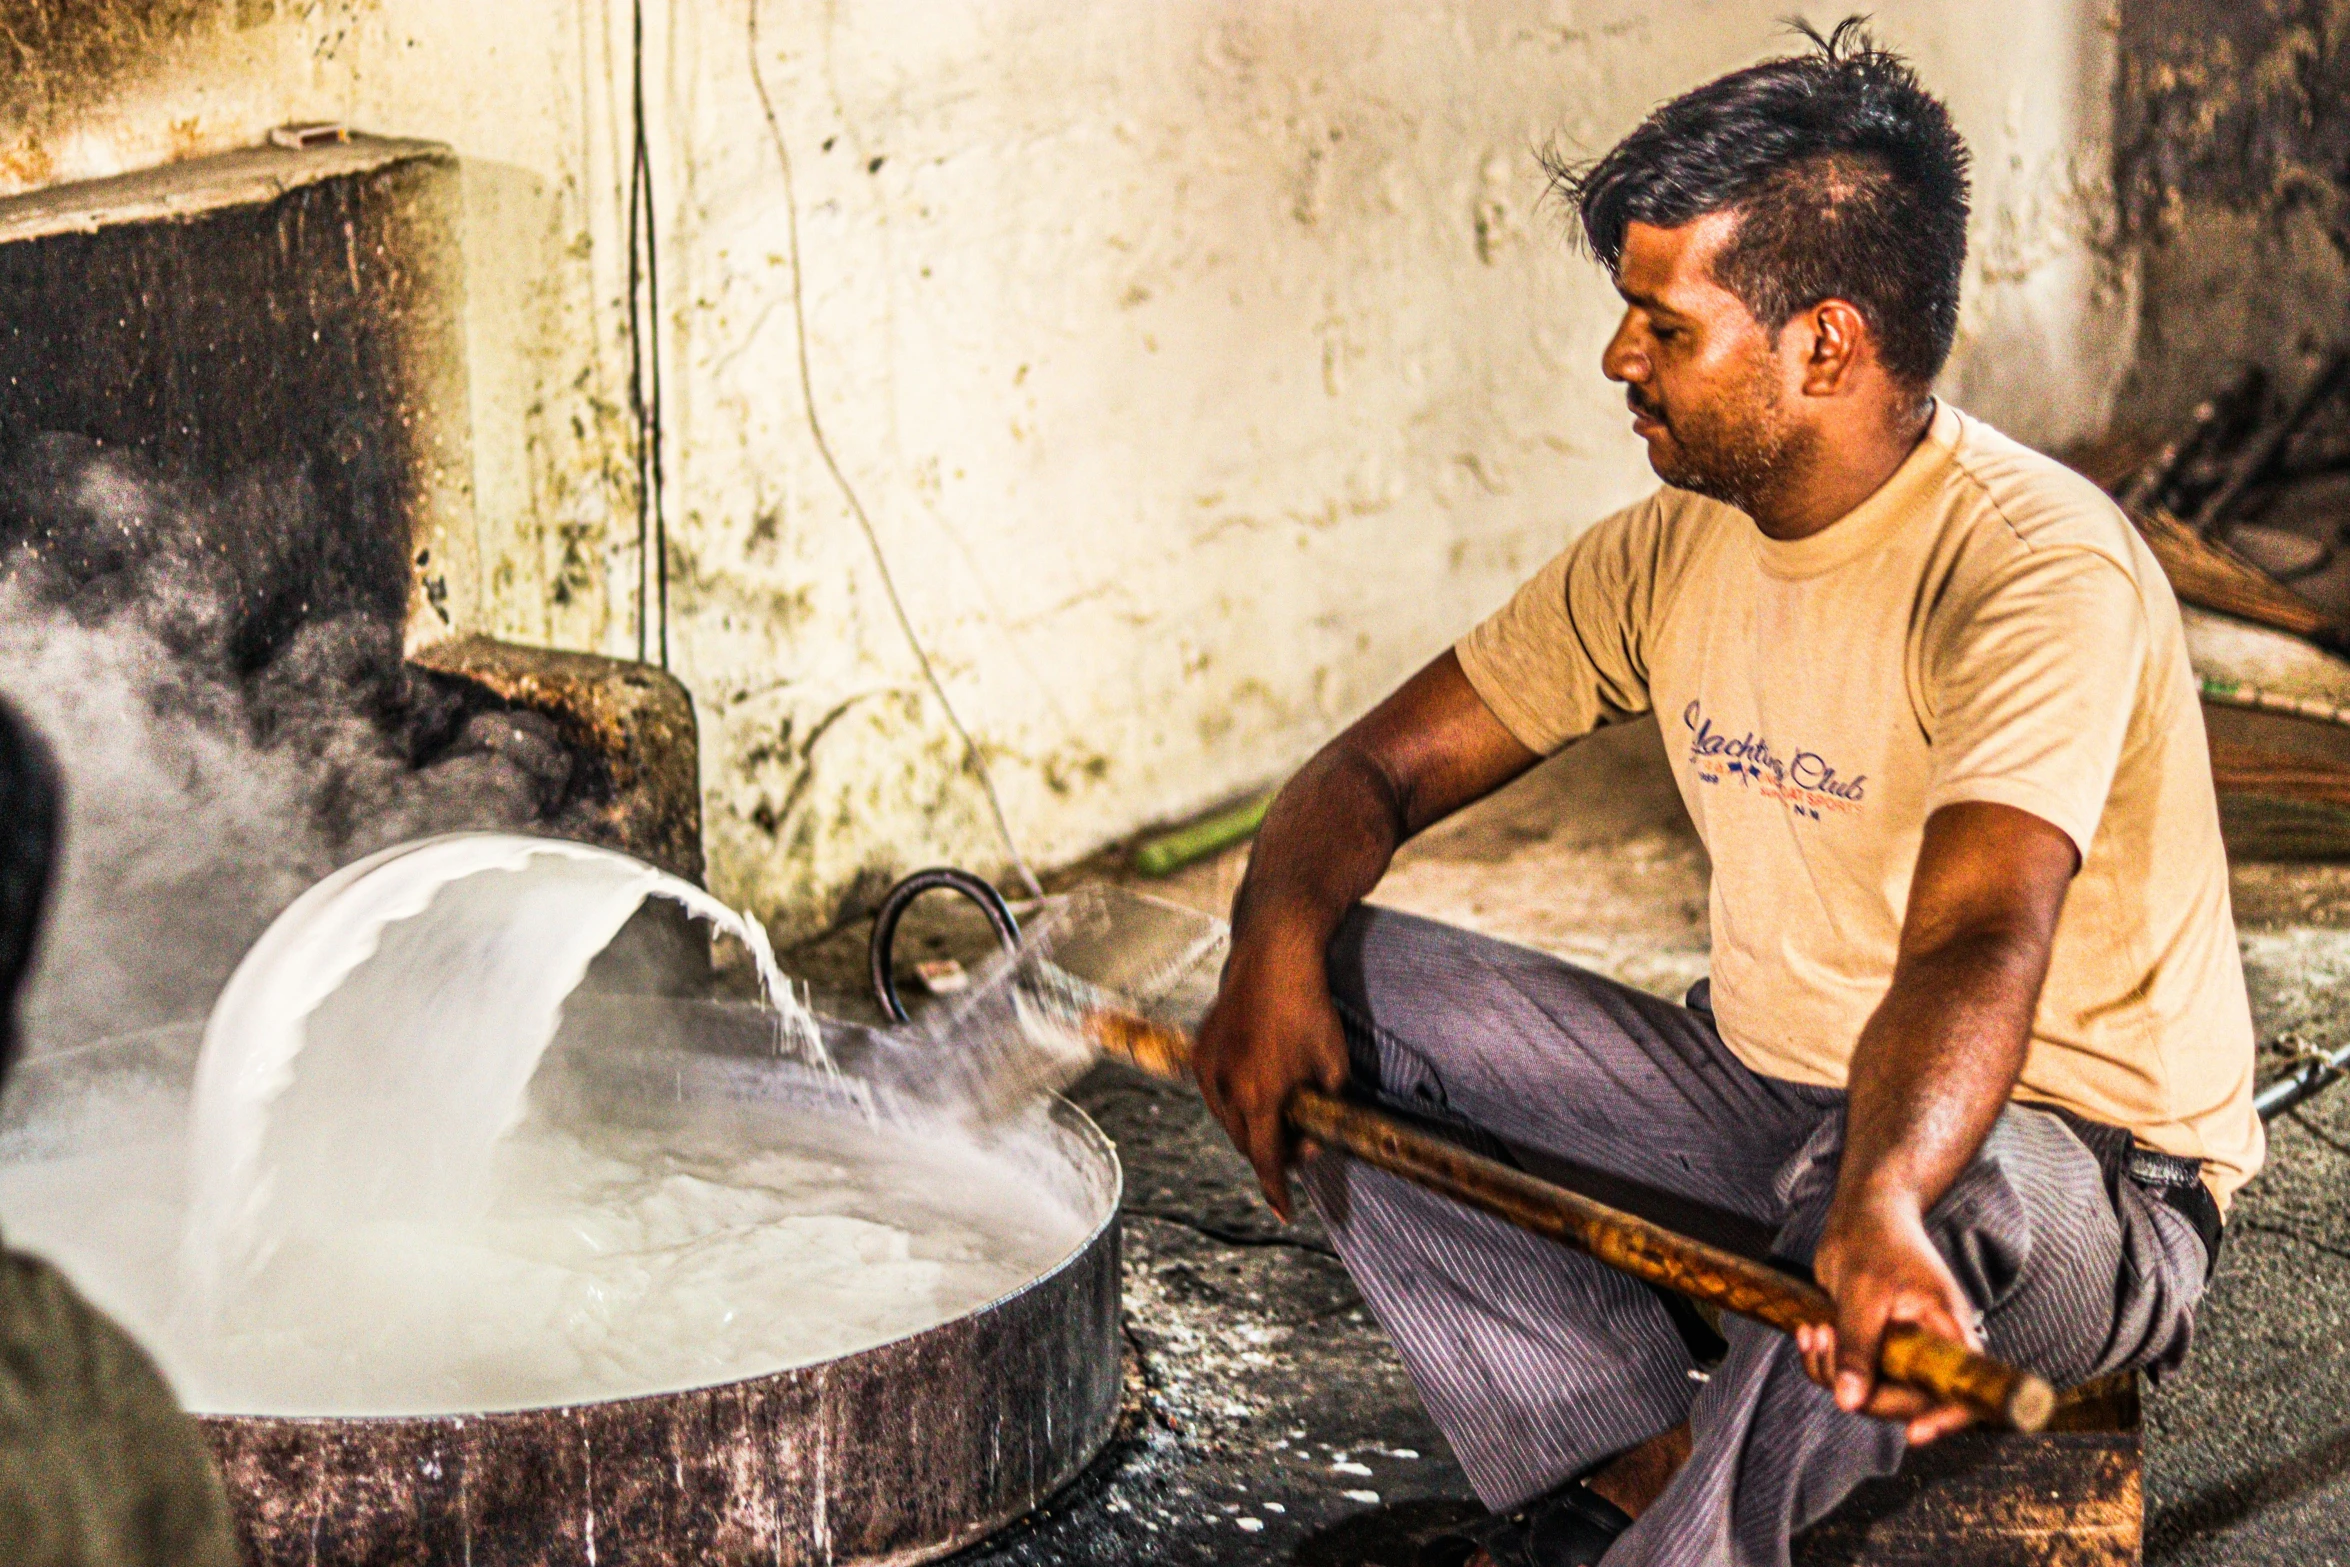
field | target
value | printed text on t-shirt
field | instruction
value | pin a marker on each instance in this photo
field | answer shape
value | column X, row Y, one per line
column 1805, row 780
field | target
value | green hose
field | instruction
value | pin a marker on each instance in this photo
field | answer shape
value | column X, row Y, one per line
column 1169, row 852
column 2234, row 693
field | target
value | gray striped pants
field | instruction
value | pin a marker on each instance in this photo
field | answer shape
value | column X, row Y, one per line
column 1538, row 1362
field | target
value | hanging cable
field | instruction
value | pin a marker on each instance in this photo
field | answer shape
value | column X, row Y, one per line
column 644, row 368
column 791, row 208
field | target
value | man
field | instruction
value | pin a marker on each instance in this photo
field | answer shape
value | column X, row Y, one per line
column 98, row 1466
column 1975, row 1047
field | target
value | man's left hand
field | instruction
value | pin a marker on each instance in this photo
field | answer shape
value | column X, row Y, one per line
column 1877, row 1264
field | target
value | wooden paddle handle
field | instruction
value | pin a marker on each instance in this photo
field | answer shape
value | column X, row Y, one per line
column 1995, row 1392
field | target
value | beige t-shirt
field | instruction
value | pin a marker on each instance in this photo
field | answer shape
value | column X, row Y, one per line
column 1987, row 626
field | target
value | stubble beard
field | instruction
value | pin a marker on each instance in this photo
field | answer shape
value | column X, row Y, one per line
column 1738, row 450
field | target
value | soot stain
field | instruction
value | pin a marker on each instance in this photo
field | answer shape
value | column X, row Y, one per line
column 2243, row 107
column 65, row 53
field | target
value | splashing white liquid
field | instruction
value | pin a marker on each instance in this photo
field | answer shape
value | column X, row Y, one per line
column 388, row 1224
column 416, row 1038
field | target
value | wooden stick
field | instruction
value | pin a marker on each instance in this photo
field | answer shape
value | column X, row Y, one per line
column 2254, row 462
column 1995, row 1392
column 2150, row 484
column 2235, row 693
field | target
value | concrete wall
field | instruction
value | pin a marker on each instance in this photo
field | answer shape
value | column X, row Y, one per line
column 1201, row 367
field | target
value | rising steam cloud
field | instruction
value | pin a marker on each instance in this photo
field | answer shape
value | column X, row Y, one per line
column 233, row 720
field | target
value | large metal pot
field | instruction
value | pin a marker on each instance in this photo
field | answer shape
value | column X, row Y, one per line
column 899, row 1453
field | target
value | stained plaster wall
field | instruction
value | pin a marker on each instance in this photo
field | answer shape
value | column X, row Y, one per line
column 2233, row 177
column 1202, row 367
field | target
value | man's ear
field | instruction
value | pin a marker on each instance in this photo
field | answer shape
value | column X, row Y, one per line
column 1833, row 338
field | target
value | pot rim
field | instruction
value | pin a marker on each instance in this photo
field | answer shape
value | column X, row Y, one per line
column 1065, row 1113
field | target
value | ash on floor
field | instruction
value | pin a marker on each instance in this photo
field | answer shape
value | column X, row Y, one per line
column 1267, row 1420
column 2248, row 1452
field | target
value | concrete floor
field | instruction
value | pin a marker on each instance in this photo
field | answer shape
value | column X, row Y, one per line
column 1268, row 1422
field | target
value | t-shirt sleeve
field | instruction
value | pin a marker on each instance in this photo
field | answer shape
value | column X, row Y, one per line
column 1566, row 654
column 2032, row 689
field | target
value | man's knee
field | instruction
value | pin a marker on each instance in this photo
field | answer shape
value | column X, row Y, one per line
column 1377, row 954
column 2032, row 1201
column 2036, row 1195
column 1386, row 970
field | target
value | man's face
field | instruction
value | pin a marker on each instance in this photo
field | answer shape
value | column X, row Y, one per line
column 1707, row 388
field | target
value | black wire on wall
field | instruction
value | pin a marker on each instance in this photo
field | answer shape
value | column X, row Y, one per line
column 976, row 758
column 644, row 367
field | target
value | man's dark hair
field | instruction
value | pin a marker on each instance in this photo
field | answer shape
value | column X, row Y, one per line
column 1849, row 180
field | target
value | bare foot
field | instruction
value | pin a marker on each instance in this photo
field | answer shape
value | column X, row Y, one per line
column 1635, row 1478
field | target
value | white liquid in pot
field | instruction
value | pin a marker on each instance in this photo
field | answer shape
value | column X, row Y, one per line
column 364, row 1221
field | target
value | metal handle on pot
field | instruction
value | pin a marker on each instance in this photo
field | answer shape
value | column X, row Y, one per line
column 899, row 898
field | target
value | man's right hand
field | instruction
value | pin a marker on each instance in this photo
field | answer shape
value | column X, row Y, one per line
column 1414, row 759
column 1272, row 1031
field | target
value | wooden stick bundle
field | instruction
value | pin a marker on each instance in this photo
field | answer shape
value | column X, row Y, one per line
column 1997, row 1393
column 2214, row 577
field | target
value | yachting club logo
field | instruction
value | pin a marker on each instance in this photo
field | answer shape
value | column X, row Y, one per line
column 1804, row 782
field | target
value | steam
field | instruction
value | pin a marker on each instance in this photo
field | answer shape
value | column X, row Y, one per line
column 233, row 719
column 225, row 692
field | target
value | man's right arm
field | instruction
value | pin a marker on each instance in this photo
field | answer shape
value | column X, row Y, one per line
column 1431, row 748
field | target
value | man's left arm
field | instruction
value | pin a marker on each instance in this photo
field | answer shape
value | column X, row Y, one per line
column 1933, row 1070
column 2032, row 685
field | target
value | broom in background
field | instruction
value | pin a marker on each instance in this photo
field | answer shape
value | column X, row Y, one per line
column 2276, row 803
